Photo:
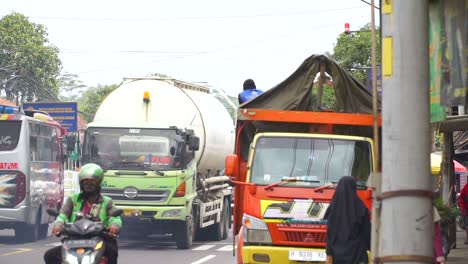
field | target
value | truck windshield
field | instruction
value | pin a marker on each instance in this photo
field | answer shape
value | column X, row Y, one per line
column 132, row 149
column 9, row 134
column 313, row 162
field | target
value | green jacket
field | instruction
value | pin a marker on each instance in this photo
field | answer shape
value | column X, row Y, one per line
column 74, row 203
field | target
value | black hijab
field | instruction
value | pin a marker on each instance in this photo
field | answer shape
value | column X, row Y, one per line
column 348, row 234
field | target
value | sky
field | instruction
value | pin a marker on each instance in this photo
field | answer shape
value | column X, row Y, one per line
column 216, row 42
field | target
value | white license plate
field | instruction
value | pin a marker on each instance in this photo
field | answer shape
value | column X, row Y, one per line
column 307, row 255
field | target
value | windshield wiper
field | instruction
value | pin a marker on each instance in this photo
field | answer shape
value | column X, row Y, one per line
column 357, row 185
column 130, row 173
column 333, row 185
column 288, row 180
column 160, row 173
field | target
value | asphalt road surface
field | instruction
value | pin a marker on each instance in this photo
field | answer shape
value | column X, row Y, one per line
column 131, row 251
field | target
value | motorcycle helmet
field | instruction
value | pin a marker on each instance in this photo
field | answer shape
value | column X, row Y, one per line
column 91, row 171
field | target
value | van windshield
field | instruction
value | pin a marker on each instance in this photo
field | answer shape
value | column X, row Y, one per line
column 313, row 162
column 9, row 134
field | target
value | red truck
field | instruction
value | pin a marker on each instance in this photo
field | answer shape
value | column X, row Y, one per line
column 289, row 155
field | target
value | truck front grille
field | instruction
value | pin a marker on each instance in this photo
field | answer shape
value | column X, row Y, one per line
column 314, row 237
column 310, row 236
column 119, row 195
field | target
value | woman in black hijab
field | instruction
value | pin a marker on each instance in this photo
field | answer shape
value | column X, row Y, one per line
column 348, row 232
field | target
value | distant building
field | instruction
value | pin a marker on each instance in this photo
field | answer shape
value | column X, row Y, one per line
column 6, row 102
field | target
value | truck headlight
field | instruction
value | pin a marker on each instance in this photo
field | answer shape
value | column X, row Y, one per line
column 172, row 213
column 255, row 231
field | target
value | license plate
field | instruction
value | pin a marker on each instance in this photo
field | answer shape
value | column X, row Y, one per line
column 131, row 212
column 307, row 255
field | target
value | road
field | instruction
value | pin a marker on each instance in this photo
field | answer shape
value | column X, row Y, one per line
column 131, row 251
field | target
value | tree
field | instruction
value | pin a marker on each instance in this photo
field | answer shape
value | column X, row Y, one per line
column 89, row 103
column 29, row 65
column 353, row 52
column 231, row 106
column 70, row 87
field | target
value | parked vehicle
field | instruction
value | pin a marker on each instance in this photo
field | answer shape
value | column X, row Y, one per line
column 163, row 143
column 31, row 171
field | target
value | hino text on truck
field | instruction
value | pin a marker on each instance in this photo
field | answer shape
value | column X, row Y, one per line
column 289, row 155
column 162, row 143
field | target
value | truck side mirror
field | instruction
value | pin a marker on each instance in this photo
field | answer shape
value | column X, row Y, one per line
column 194, row 143
column 71, row 139
column 231, row 165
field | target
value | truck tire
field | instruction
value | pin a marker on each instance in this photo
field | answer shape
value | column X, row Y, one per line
column 219, row 231
column 227, row 218
column 184, row 233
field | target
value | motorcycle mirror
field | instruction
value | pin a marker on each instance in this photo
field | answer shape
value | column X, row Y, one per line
column 52, row 212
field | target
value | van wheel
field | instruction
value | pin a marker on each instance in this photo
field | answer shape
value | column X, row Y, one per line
column 27, row 233
column 184, row 233
column 43, row 230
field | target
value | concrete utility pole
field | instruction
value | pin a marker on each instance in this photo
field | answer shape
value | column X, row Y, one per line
column 406, row 227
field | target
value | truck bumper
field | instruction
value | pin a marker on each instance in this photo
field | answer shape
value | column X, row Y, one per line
column 156, row 213
column 276, row 254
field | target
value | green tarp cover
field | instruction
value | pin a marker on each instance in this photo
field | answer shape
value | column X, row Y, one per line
column 295, row 93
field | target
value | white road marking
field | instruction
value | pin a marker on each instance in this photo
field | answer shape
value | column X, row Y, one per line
column 19, row 250
column 204, row 259
column 56, row 244
column 225, row 248
column 204, row 247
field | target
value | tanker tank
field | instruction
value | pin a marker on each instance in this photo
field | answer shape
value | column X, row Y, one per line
column 172, row 103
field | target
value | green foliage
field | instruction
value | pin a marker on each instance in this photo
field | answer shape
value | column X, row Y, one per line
column 29, row 65
column 90, row 101
column 447, row 213
column 353, row 52
column 328, row 97
column 229, row 107
column 70, row 87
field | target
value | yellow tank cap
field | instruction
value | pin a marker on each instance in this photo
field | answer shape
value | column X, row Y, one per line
column 146, row 96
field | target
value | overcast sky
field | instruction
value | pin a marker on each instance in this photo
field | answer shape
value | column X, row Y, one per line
column 214, row 41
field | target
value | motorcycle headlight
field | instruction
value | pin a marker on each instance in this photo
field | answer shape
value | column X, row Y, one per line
column 255, row 231
column 71, row 259
column 89, row 258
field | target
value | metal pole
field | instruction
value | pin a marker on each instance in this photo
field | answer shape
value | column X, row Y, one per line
column 377, row 177
column 406, row 226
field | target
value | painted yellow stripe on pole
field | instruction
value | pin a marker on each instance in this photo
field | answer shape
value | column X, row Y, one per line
column 21, row 250
column 387, row 56
column 387, row 7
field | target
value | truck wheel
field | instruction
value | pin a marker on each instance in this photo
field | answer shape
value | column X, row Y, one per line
column 184, row 233
column 219, row 231
column 226, row 217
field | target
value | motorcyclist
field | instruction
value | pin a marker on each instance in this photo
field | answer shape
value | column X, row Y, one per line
column 90, row 202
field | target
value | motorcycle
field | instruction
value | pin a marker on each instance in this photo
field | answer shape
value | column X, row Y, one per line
column 83, row 240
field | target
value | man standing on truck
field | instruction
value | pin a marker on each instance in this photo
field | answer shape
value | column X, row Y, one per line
column 250, row 92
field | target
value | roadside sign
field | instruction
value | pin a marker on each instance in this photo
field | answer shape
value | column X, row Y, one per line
column 66, row 113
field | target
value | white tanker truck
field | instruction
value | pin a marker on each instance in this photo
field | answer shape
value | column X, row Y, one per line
column 163, row 144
